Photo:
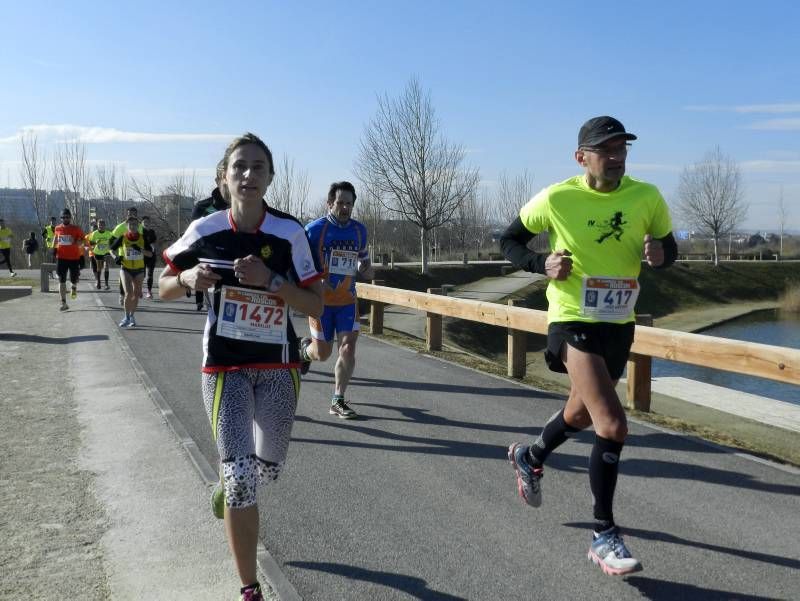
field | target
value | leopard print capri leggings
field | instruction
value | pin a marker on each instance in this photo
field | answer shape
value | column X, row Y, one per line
column 251, row 413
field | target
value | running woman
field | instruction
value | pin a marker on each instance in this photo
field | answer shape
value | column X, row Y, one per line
column 340, row 243
column 6, row 236
column 100, row 242
column 68, row 250
column 30, row 246
column 118, row 231
column 598, row 224
column 132, row 253
column 256, row 262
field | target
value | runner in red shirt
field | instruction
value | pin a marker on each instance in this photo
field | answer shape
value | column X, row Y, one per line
column 68, row 247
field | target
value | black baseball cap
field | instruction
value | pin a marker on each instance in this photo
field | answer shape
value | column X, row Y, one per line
column 599, row 129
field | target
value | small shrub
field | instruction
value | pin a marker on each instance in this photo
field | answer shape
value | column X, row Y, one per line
column 790, row 299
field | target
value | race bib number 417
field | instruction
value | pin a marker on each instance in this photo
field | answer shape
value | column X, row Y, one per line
column 609, row 298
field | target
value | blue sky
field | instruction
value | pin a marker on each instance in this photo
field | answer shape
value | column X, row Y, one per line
column 511, row 82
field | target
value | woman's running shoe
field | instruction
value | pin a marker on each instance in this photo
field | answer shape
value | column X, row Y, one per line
column 218, row 501
column 124, row 323
column 252, row 593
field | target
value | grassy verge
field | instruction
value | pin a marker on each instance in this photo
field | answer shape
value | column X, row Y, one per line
column 19, row 282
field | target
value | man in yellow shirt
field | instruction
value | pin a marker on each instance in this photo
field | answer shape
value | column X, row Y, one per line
column 100, row 242
column 5, row 246
column 599, row 223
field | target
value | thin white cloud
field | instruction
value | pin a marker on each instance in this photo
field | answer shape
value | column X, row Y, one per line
column 106, row 135
column 777, row 124
column 168, row 172
column 661, row 167
column 767, row 166
column 789, row 107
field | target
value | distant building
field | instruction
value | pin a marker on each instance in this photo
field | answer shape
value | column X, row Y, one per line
column 16, row 204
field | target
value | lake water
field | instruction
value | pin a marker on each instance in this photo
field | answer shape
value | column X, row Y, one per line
column 767, row 327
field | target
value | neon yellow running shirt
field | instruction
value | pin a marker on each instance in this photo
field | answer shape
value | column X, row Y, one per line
column 100, row 242
column 604, row 231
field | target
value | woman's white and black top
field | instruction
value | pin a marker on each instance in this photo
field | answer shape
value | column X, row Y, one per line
column 253, row 328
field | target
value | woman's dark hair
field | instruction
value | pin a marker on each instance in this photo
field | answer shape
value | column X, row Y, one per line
column 243, row 140
column 343, row 186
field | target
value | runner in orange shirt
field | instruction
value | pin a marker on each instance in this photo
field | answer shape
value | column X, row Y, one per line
column 68, row 246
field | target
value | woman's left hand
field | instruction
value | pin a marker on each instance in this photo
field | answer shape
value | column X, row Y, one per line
column 251, row 271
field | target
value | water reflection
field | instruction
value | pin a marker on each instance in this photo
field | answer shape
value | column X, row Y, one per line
column 774, row 327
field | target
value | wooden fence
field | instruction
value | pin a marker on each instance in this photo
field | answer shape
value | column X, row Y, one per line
column 749, row 358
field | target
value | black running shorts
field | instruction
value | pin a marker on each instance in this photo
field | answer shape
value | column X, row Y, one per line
column 66, row 265
column 612, row 341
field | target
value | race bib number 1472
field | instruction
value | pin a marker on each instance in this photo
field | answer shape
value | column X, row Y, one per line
column 252, row 315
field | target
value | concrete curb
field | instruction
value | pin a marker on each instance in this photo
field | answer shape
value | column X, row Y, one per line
column 283, row 589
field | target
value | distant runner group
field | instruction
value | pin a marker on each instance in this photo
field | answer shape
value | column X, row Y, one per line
column 250, row 264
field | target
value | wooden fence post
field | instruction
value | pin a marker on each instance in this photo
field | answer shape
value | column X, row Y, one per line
column 516, row 348
column 376, row 312
column 639, row 373
column 433, row 327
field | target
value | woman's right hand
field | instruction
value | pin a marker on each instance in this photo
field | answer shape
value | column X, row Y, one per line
column 200, row 278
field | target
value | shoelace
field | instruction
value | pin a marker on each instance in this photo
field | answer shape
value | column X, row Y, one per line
column 618, row 546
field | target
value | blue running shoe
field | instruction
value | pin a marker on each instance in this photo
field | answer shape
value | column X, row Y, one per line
column 124, row 323
column 528, row 477
column 608, row 551
column 131, row 322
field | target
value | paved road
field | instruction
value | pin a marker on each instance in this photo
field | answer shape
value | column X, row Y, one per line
column 417, row 501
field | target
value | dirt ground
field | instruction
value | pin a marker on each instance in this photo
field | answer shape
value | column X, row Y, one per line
column 51, row 522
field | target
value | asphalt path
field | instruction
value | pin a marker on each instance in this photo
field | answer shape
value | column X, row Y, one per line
column 417, row 499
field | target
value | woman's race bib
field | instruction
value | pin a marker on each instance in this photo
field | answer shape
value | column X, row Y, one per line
column 132, row 253
column 252, row 315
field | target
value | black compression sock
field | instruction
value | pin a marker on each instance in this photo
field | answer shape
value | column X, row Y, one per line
column 603, row 470
column 555, row 432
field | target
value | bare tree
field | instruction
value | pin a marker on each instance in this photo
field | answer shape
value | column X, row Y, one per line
column 369, row 211
column 71, row 174
column 110, row 192
column 511, row 194
column 289, row 189
column 33, row 173
column 418, row 172
column 710, row 196
column 782, row 217
column 158, row 203
column 469, row 222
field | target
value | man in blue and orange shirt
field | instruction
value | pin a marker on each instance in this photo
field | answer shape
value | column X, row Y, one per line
column 340, row 245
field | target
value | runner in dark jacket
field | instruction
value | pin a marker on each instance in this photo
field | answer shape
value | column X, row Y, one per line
column 218, row 201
